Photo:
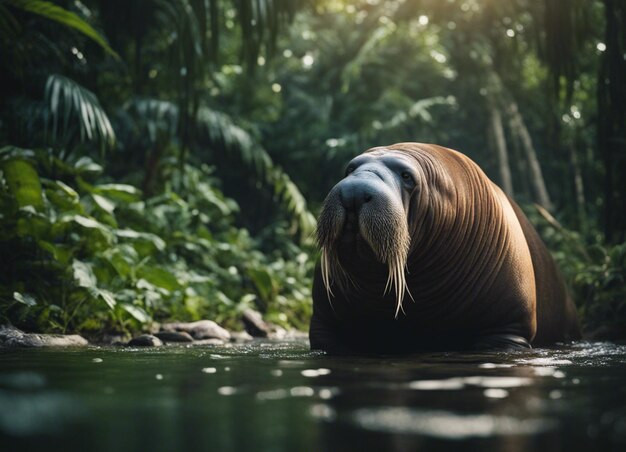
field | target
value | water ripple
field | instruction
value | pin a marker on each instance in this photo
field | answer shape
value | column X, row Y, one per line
column 444, row 424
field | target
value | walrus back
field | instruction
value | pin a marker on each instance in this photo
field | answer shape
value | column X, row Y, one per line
column 556, row 314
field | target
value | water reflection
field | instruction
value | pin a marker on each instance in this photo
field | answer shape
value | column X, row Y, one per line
column 443, row 424
column 280, row 396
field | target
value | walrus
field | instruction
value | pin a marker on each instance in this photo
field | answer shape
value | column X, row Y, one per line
column 420, row 250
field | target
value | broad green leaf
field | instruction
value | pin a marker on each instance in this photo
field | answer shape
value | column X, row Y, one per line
column 118, row 192
column 83, row 275
column 69, row 191
column 263, row 282
column 62, row 196
column 223, row 299
column 121, row 260
column 105, row 204
column 87, row 222
column 138, row 313
column 85, row 165
column 99, row 231
column 154, row 239
column 159, row 277
column 105, row 296
column 13, row 152
column 23, row 183
column 26, row 299
column 61, row 253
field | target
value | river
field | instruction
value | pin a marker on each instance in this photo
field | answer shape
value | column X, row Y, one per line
column 279, row 396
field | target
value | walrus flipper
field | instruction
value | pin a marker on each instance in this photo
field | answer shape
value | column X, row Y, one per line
column 500, row 341
column 323, row 336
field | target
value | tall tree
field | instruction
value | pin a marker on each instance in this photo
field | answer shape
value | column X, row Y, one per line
column 612, row 119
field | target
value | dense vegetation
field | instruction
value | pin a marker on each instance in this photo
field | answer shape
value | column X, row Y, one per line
column 155, row 156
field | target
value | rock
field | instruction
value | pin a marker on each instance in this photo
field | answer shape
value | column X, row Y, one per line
column 295, row 335
column 202, row 329
column 145, row 340
column 174, row 336
column 13, row 337
column 113, row 339
column 254, row 323
column 240, row 337
column 278, row 332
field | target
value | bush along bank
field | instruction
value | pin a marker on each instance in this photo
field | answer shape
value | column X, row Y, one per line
column 80, row 254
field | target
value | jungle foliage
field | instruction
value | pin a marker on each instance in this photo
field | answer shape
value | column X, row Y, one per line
column 155, row 156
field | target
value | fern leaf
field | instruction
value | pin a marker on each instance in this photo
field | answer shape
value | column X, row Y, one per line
column 78, row 107
column 63, row 16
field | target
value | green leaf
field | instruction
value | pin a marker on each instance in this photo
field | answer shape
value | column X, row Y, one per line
column 86, row 222
column 105, row 296
column 83, row 275
column 123, row 258
column 85, row 165
column 159, row 277
column 64, row 17
column 23, row 183
column 105, row 204
column 61, row 253
column 69, row 191
column 26, row 299
column 98, row 231
column 62, row 196
column 263, row 282
column 13, row 152
column 154, row 239
column 138, row 313
column 118, row 192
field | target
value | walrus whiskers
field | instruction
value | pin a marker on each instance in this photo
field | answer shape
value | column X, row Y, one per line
column 325, row 267
column 389, row 239
column 383, row 225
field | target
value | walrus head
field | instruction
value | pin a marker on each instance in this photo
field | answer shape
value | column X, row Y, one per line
column 369, row 218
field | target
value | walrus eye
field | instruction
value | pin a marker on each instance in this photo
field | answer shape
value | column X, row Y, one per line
column 349, row 169
column 406, row 176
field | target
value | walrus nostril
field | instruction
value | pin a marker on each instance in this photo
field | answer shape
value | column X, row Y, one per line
column 354, row 194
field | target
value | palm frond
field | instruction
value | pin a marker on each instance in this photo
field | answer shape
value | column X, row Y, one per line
column 71, row 107
column 64, row 17
column 419, row 110
column 152, row 120
column 157, row 120
column 218, row 131
column 366, row 53
column 9, row 26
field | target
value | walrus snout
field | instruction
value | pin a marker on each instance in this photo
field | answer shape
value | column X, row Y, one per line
column 353, row 193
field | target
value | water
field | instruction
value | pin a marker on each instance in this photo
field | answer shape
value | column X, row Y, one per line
column 275, row 396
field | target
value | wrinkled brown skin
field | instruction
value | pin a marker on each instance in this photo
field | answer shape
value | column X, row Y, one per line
column 478, row 271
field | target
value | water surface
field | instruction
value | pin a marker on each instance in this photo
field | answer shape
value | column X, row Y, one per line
column 279, row 396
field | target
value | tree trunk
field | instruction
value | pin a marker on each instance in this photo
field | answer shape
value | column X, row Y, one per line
column 499, row 142
column 579, row 187
column 611, row 132
column 518, row 127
